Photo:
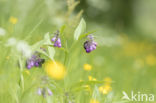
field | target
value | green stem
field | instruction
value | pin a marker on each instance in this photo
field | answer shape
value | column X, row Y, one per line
column 21, row 74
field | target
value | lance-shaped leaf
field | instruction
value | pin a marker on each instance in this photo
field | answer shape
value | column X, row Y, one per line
column 51, row 51
column 81, row 28
column 47, row 39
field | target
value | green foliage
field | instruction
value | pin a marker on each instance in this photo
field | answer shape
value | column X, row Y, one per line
column 129, row 61
column 81, row 28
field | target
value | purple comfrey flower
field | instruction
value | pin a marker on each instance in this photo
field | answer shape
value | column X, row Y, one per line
column 90, row 45
column 35, row 60
column 49, row 92
column 44, row 92
column 56, row 40
column 39, row 91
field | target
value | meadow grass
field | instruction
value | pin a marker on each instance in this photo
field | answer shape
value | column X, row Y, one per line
column 118, row 64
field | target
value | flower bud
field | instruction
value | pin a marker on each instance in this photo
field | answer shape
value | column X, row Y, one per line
column 90, row 45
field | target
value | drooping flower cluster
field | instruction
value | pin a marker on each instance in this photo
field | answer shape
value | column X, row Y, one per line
column 56, row 40
column 35, row 60
column 44, row 92
column 90, row 44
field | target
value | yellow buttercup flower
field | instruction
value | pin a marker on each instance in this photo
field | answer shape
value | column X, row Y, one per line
column 151, row 60
column 13, row 20
column 8, row 57
column 87, row 88
column 55, row 70
column 27, row 72
column 87, row 67
column 105, row 89
column 91, row 78
column 94, row 101
column 108, row 80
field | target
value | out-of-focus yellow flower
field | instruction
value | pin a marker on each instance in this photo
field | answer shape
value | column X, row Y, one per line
column 13, row 20
column 87, row 88
column 94, row 79
column 151, row 60
column 87, row 67
column 105, row 89
column 91, row 78
column 132, row 48
column 27, row 72
column 8, row 57
column 55, row 70
column 94, row 101
column 108, row 79
column 139, row 63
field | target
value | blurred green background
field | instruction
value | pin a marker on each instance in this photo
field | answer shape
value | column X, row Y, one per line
column 125, row 33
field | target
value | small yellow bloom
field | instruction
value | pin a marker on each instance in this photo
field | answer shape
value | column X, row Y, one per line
column 91, row 78
column 13, row 20
column 108, row 80
column 105, row 89
column 87, row 67
column 87, row 88
column 94, row 101
column 94, row 79
column 8, row 57
column 151, row 60
column 55, row 70
column 27, row 72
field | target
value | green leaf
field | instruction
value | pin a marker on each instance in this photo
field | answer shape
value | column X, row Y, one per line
column 81, row 28
column 96, row 93
column 47, row 39
column 43, row 52
column 79, row 85
column 37, row 45
column 86, row 34
column 51, row 51
column 62, row 29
